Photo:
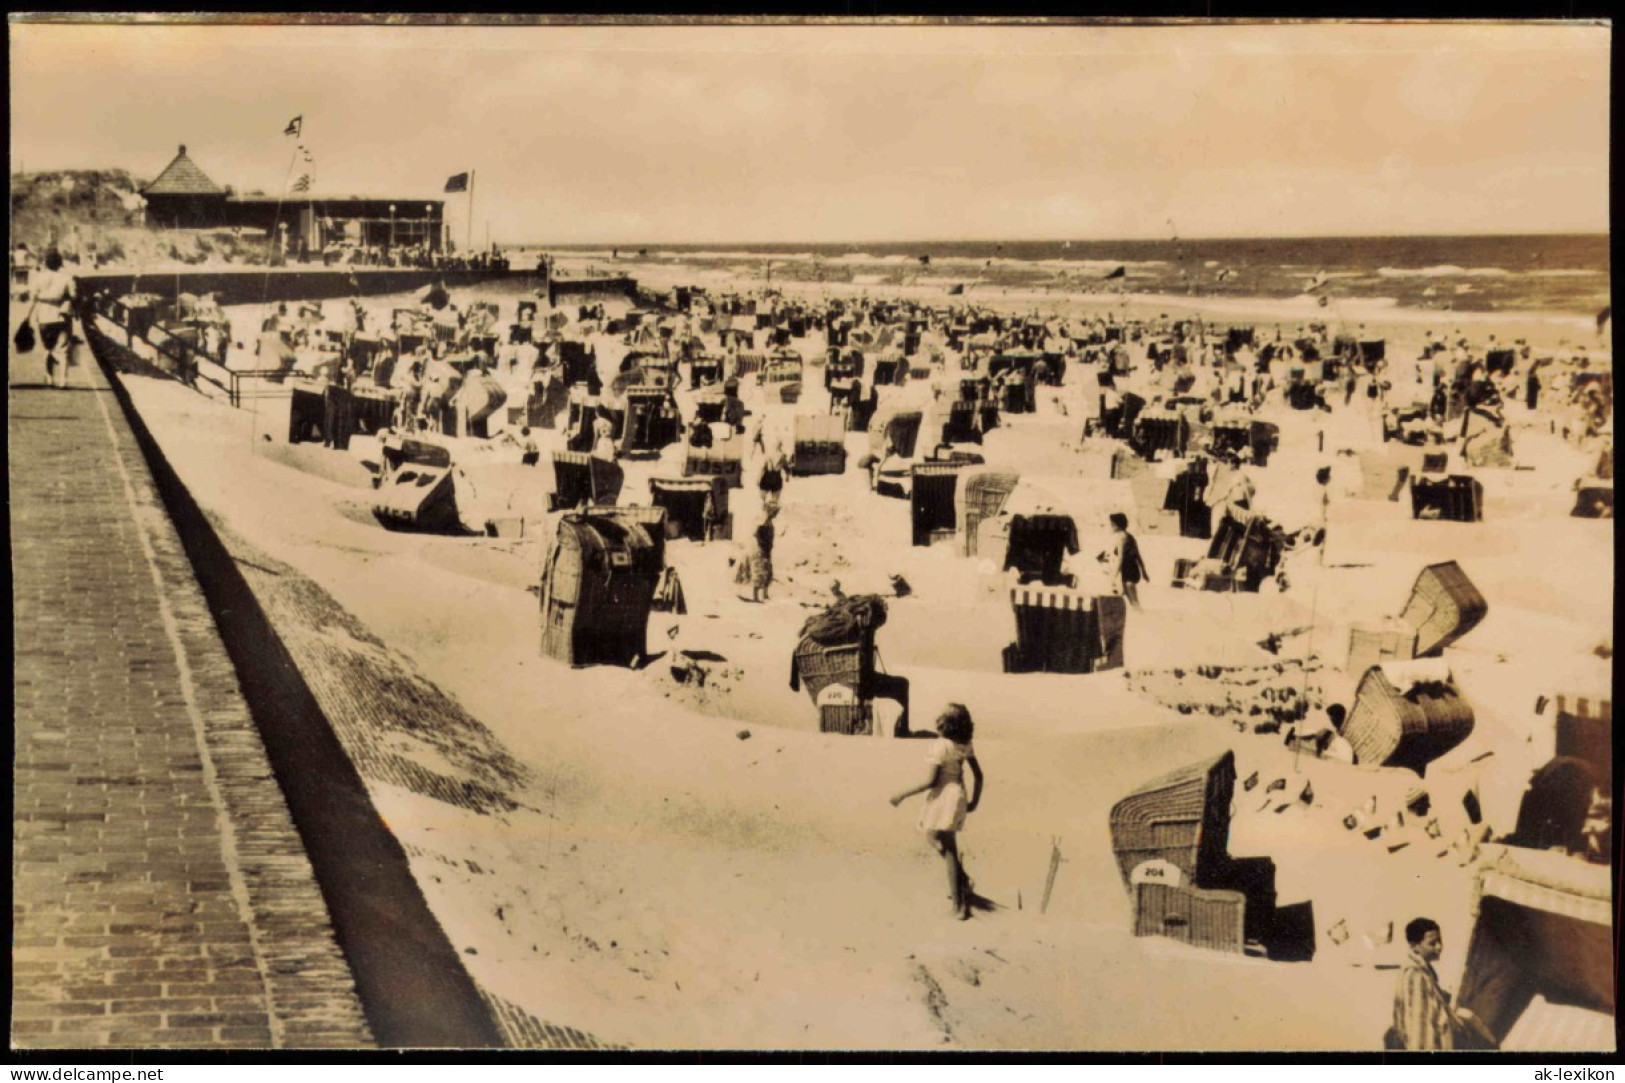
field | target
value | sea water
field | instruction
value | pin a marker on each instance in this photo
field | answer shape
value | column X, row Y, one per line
column 1557, row 273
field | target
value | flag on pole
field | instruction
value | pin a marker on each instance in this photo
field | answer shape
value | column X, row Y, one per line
column 302, row 184
column 305, row 151
column 457, row 182
column 956, row 289
column 295, row 126
column 1120, row 272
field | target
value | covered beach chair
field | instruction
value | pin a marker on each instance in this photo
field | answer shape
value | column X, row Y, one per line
column 696, row 508
column 598, row 584
column 476, row 400
column 724, row 459
column 579, row 478
column 1540, row 962
column 1151, row 486
column 548, row 398
column 1170, row 839
column 1457, row 499
column 579, row 364
column 307, row 412
column 981, row 495
column 931, row 501
column 1249, row 547
column 416, row 491
column 1186, row 497
column 1444, row 606
column 1374, row 642
column 1231, row 434
column 704, row 369
column 1555, row 809
column 898, row 428
column 580, row 424
column 1593, row 498
column 1118, row 421
column 1585, row 731
column 1158, row 429
column 1060, row 631
column 780, row 369
column 347, row 412
column 819, row 445
column 847, row 365
column 1486, row 442
column 1407, row 714
column 964, row 423
column 890, row 368
column 652, row 421
column 1038, row 546
column 1181, row 818
column 838, row 662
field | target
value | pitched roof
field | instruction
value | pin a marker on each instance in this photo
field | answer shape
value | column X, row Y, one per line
column 182, row 177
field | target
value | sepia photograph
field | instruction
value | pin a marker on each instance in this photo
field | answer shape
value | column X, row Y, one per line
column 872, row 536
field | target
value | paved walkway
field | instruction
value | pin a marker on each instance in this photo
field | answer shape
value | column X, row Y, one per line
column 161, row 896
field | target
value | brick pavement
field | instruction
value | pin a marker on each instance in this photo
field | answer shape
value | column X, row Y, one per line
column 161, row 896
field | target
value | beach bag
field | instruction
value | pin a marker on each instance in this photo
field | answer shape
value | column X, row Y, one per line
column 52, row 333
column 23, row 340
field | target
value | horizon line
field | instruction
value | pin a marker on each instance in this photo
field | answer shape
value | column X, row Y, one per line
column 1077, row 240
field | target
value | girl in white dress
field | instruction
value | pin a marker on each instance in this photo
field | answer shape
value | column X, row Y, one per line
column 946, row 804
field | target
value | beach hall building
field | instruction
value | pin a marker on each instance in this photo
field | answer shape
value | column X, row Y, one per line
column 183, row 197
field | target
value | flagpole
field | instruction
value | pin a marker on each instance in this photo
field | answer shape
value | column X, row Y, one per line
column 470, row 213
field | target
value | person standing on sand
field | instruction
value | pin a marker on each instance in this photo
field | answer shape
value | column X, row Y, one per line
column 946, row 804
column 603, row 438
column 771, row 481
column 1423, row 1015
column 1128, row 569
column 759, row 565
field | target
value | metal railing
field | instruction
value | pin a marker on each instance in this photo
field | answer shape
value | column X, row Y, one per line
column 175, row 355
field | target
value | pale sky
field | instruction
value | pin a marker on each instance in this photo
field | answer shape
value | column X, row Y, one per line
column 666, row 134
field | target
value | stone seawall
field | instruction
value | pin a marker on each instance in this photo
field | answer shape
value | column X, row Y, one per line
column 254, row 286
column 264, row 285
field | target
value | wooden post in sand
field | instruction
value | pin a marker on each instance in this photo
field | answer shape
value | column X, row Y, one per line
column 1054, row 866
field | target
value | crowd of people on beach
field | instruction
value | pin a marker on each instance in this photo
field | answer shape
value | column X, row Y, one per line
column 1162, row 386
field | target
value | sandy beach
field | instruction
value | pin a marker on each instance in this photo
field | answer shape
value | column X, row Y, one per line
column 696, row 866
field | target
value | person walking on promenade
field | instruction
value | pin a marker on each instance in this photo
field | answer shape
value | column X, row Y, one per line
column 946, row 803
column 53, row 301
